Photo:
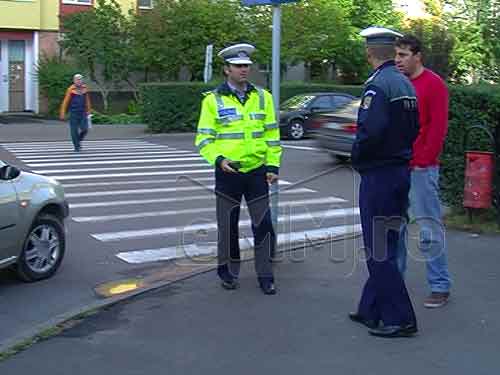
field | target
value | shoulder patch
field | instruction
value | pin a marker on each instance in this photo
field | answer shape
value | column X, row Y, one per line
column 367, row 99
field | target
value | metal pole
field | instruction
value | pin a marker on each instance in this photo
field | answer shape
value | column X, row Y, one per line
column 276, row 70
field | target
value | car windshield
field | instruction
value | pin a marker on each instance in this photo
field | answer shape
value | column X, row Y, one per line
column 296, row 102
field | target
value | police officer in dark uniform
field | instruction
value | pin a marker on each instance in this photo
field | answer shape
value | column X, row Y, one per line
column 387, row 128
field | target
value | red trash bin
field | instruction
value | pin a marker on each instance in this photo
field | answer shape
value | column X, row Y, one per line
column 478, row 187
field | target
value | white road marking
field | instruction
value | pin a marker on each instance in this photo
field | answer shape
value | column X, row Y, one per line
column 192, row 250
column 68, row 142
column 139, row 182
column 140, row 191
column 31, row 151
column 50, row 171
column 302, row 148
column 35, row 146
column 104, row 162
column 73, row 155
column 134, row 174
column 166, row 200
column 144, row 233
column 294, row 203
column 110, row 156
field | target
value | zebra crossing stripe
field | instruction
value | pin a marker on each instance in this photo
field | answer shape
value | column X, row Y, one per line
column 113, row 162
column 143, row 233
column 301, row 148
column 132, row 174
column 73, row 155
column 80, row 170
column 31, row 150
column 106, row 141
column 139, row 191
column 286, row 240
column 110, row 156
column 165, row 200
column 166, row 181
column 103, row 218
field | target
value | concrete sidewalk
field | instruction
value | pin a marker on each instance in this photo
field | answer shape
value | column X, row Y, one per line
column 194, row 326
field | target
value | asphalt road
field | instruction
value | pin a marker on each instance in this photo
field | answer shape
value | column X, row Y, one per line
column 196, row 327
column 134, row 201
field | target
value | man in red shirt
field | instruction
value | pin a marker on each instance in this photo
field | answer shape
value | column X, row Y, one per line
column 425, row 205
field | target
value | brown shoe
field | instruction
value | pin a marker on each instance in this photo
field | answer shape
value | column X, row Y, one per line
column 437, row 299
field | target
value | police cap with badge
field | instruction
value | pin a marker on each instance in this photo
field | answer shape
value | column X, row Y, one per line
column 238, row 54
column 377, row 36
column 380, row 36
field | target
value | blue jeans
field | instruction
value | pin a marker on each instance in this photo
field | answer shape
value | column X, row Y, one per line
column 79, row 127
column 425, row 209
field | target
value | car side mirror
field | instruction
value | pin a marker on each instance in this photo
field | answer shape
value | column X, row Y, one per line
column 8, row 172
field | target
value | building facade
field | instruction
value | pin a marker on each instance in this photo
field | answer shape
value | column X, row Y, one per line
column 30, row 29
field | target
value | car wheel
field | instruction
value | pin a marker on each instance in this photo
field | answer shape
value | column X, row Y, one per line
column 341, row 158
column 296, row 129
column 43, row 249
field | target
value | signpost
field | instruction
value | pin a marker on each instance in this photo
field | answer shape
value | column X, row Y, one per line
column 207, row 73
column 276, row 71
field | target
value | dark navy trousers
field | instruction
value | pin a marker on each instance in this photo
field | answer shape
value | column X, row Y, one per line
column 78, row 127
column 383, row 203
column 230, row 188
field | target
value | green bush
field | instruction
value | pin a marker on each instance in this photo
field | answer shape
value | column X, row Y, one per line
column 170, row 107
column 54, row 77
column 120, row 119
column 469, row 105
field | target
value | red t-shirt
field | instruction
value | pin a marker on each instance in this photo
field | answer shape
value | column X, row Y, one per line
column 432, row 96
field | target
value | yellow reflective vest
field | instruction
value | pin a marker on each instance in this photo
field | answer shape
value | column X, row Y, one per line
column 247, row 133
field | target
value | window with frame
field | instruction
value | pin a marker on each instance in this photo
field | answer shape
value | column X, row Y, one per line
column 145, row 4
column 78, row 2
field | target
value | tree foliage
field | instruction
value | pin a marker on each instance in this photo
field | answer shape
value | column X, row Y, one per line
column 98, row 41
column 461, row 37
column 475, row 26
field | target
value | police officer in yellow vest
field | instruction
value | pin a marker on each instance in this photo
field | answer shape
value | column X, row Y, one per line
column 239, row 135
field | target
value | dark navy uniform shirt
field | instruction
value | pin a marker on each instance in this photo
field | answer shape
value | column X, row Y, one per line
column 387, row 120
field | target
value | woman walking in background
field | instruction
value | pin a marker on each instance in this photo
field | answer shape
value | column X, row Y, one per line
column 77, row 100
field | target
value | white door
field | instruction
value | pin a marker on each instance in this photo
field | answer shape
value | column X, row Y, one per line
column 4, row 77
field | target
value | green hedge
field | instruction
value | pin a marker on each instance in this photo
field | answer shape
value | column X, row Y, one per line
column 54, row 76
column 170, row 107
column 469, row 105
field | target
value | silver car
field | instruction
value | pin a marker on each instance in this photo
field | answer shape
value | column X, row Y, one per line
column 32, row 232
column 335, row 132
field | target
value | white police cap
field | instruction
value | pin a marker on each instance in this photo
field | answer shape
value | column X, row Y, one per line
column 380, row 35
column 237, row 54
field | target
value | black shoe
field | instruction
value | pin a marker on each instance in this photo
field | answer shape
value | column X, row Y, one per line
column 355, row 317
column 230, row 284
column 395, row 331
column 268, row 288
